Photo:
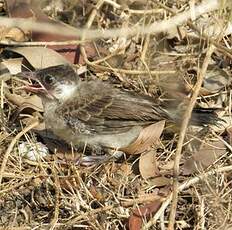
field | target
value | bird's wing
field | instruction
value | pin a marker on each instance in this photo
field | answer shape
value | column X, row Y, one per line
column 104, row 109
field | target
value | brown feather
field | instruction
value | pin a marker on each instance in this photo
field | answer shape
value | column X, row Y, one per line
column 109, row 108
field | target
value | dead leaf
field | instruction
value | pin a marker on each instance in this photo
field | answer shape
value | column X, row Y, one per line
column 148, row 137
column 136, row 219
column 31, row 9
column 13, row 34
column 39, row 127
column 143, row 198
column 216, row 79
column 97, row 193
column 33, row 101
column 167, row 165
column 206, row 156
column 160, row 181
column 40, row 57
column 147, row 209
column 16, row 34
column 147, row 165
column 14, row 65
column 135, row 222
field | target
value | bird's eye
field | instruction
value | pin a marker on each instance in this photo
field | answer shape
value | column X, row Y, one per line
column 49, row 79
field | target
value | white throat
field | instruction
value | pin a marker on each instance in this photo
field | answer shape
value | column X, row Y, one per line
column 64, row 92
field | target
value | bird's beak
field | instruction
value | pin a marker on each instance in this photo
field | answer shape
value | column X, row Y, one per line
column 35, row 86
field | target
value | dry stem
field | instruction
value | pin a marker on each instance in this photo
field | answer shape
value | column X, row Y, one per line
column 12, row 144
column 183, row 129
column 157, row 27
column 183, row 186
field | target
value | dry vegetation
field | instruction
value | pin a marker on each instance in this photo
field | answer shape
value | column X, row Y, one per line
column 135, row 45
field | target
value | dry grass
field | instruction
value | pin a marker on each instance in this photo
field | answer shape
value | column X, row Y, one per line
column 154, row 58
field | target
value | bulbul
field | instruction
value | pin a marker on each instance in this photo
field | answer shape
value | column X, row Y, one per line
column 94, row 113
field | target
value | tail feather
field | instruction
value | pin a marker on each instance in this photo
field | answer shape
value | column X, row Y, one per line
column 202, row 116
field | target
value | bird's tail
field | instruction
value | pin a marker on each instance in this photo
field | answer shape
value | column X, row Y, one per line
column 204, row 116
column 200, row 116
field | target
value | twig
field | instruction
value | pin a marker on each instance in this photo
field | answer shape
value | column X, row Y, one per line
column 201, row 212
column 93, row 64
column 50, row 43
column 183, row 129
column 183, row 186
column 156, row 27
column 133, row 72
column 88, row 25
column 13, row 187
column 141, row 200
column 90, row 213
column 57, row 198
column 104, row 58
column 223, row 49
column 12, row 144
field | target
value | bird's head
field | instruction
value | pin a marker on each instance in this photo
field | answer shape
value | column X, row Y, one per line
column 56, row 82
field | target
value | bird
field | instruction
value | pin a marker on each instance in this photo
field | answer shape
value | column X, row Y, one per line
column 95, row 113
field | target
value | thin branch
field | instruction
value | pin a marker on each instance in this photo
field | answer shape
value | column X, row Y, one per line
column 156, row 27
column 203, row 35
column 183, row 129
column 12, row 144
column 132, row 72
column 57, row 198
column 183, row 186
column 87, row 26
column 50, row 43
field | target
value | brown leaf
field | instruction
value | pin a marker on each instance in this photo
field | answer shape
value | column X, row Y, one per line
column 215, row 79
column 13, row 34
column 136, row 219
column 148, row 137
column 148, row 209
column 135, row 222
column 16, row 34
column 31, row 9
column 206, row 156
column 147, row 165
column 96, row 193
column 14, row 65
column 33, row 101
column 30, row 120
column 40, row 57
column 143, row 198
column 160, row 181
